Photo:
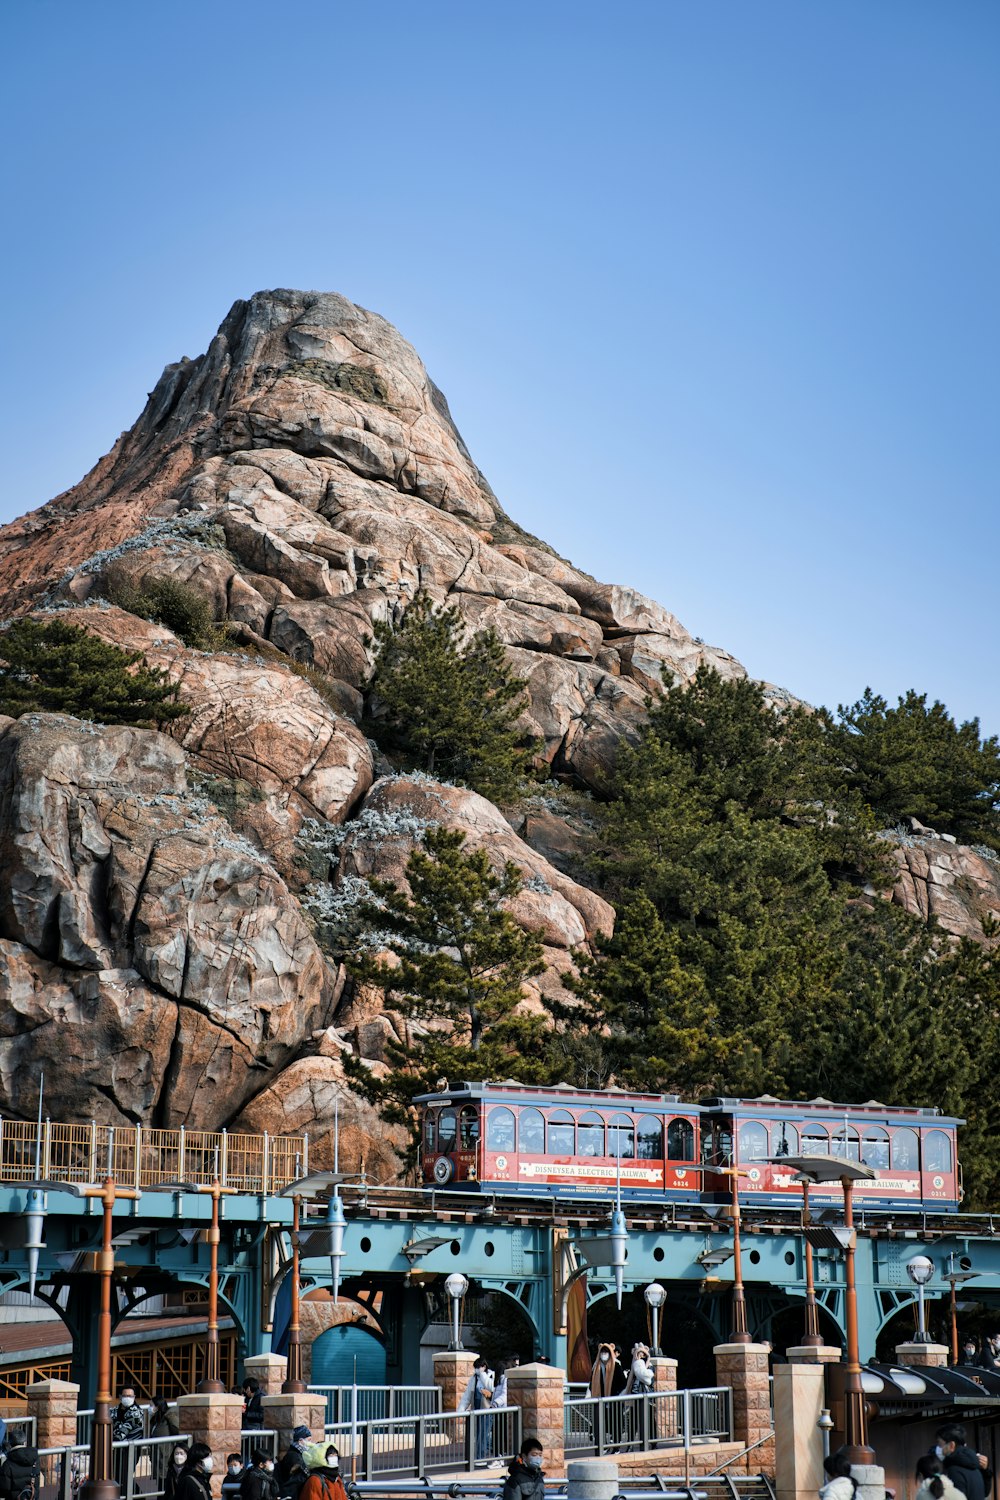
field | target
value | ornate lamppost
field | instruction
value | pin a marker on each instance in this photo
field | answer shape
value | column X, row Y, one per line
column 333, row 1234
column 740, row 1333
column 100, row 1483
column 456, row 1285
column 956, row 1279
column 655, row 1296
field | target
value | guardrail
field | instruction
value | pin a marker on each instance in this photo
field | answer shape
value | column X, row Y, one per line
column 599, row 1426
column 145, row 1158
column 21, row 1430
column 252, row 1438
column 139, row 1468
column 418, row 1446
column 370, row 1403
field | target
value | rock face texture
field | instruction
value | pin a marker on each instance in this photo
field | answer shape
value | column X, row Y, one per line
column 947, row 882
column 304, row 476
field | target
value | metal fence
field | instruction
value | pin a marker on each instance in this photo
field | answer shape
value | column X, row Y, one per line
column 596, row 1427
column 413, row 1447
column 139, row 1468
column 21, row 1430
column 258, row 1437
column 370, row 1403
column 150, row 1158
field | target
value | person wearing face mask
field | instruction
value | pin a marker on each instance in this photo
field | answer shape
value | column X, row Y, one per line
column 178, row 1458
column 233, row 1477
column 525, row 1475
column 126, row 1418
column 607, row 1378
column 195, row 1482
column 258, row 1481
column 291, row 1470
column 323, row 1481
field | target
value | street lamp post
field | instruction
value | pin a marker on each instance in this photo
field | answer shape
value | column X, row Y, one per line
column 293, row 1384
column 920, row 1270
column 956, row 1279
column 100, row 1483
column 329, row 1239
column 211, row 1384
column 655, row 1296
column 740, row 1333
column 812, row 1338
column 456, row 1285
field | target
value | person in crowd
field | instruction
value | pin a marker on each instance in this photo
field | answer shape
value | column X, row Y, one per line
column 253, row 1410
column 233, row 1477
column 525, row 1475
column 968, row 1354
column 258, row 1481
column 479, row 1382
column 640, row 1375
column 323, row 1481
column 500, row 1386
column 161, row 1421
column 20, row 1473
column 607, row 1378
column 966, row 1469
column 126, row 1418
column 178, row 1458
column 290, row 1472
column 841, row 1485
column 934, row 1482
column 195, row 1482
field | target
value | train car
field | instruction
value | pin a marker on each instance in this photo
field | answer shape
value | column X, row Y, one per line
column 511, row 1138
column 914, row 1151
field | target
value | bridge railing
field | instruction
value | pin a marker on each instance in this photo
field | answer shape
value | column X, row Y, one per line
column 21, row 1430
column 146, row 1158
column 139, row 1468
column 368, row 1403
column 418, row 1446
column 263, row 1438
column 596, row 1426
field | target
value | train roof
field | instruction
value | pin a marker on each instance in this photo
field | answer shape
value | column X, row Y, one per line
column 828, row 1107
column 505, row 1087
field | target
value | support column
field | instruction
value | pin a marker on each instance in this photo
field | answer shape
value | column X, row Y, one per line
column 799, row 1397
column 538, row 1391
column 664, row 1372
column 215, row 1418
column 812, row 1354
column 743, row 1367
column 929, row 1356
column 284, row 1412
column 269, row 1370
column 53, row 1404
column 452, row 1368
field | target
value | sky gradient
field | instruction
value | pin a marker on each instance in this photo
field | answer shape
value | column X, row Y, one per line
column 711, row 287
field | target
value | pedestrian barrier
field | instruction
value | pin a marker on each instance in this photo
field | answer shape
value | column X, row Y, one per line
column 600, row 1426
column 139, row 1468
column 369, row 1403
column 21, row 1430
column 258, row 1437
column 421, row 1445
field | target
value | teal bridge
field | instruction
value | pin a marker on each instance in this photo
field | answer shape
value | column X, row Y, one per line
column 402, row 1243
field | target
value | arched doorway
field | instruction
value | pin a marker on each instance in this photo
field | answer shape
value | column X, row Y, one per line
column 347, row 1354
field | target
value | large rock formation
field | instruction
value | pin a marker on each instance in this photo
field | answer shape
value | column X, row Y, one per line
column 304, row 477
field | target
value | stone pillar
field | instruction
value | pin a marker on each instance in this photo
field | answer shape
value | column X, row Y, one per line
column 268, row 1369
column 870, row 1480
column 452, row 1368
column 214, row 1419
column 53, row 1405
column 592, row 1479
column 743, row 1367
column 799, row 1397
column 538, row 1391
column 282, row 1414
column 812, row 1354
column 664, row 1372
column 929, row 1356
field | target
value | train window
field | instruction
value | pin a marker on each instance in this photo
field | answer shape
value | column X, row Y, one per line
column 905, row 1150
column 815, row 1140
column 784, row 1139
column 559, row 1133
column 447, row 1128
column 649, row 1138
column 429, row 1131
column 590, row 1136
column 500, row 1130
column 875, row 1147
column 468, row 1128
column 752, row 1141
column 937, row 1151
column 621, row 1137
column 531, row 1132
column 846, row 1143
column 680, row 1140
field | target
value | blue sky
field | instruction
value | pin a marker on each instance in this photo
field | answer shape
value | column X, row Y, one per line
column 712, row 287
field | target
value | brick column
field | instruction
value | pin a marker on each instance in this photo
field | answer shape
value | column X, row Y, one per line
column 452, row 1368
column 812, row 1354
column 214, row 1419
column 743, row 1367
column 799, row 1397
column 53, row 1405
column 538, row 1391
column 269, row 1369
column 664, row 1372
column 282, row 1414
column 929, row 1356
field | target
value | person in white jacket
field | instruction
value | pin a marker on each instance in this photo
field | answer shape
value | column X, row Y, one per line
column 841, row 1485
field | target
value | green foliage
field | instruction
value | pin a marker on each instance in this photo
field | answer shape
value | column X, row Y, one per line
column 915, row 761
column 456, row 975
column 171, row 603
column 53, row 667
column 449, row 705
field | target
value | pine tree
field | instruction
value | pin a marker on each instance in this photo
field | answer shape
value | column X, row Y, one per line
column 54, row 667
column 456, row 976
column 449, row 704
